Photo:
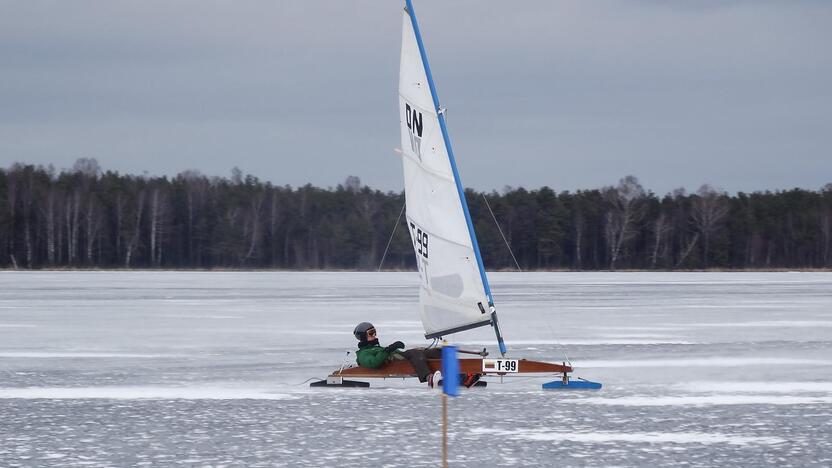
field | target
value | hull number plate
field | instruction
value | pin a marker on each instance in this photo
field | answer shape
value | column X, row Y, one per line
column 500, row 365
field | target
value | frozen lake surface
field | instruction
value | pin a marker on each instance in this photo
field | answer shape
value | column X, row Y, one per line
column 209, row 369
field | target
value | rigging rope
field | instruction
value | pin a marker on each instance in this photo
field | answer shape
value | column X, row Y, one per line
column 391, row 237
column 559, row 345
column 501, row 232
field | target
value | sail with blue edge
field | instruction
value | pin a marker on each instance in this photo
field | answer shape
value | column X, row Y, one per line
column 454, row 294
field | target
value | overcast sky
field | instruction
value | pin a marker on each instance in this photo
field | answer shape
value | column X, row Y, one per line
column 569, row 94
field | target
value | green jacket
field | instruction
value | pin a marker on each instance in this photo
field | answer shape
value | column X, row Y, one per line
column 371, row 356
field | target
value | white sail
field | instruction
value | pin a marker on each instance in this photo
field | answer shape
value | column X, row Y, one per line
column 454, row 293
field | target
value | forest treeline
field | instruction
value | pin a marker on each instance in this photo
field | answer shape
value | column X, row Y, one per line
column 89, row 218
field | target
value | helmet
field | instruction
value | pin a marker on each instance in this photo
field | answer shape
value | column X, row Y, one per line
column 361, row 330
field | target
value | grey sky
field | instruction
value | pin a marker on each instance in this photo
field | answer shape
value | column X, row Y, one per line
column 570, row 94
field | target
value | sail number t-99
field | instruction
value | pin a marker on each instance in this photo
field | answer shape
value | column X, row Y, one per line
column 421, row 240
column 500, row 365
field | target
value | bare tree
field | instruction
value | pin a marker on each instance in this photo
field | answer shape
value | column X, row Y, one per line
column 133, row 241
column 49, row 215
column 255, row 206
column 688, row 249
column 119, row 215
column 826, row 226
column 11, row 197
column 93, row 223
column 684, row 238
column 158, row 211
column 236, row 175
column 233, row 246
column 625, row 208
column 196, row 189
column 352, row 184
column 87, row 167
column 368, row 208
column 27, row 200
column 661, row 226
column 71, row 215
column 21, row 198
column 48, row 212
column 580, row 225
column 826, row 233
column 708, row 212
column 274, row 218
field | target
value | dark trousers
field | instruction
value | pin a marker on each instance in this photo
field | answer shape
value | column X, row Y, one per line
column 418, row 358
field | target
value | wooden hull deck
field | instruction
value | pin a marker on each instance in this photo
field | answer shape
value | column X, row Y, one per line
column 402, row 369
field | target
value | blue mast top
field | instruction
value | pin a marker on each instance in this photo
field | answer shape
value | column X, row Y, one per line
column 457, row 180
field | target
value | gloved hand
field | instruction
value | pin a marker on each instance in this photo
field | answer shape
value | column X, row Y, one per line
column 394, row 346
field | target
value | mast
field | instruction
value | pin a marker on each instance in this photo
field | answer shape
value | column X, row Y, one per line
column 443, row 126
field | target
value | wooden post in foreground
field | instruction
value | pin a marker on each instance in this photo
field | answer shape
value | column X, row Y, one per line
column 450, row 386
column 444, row 431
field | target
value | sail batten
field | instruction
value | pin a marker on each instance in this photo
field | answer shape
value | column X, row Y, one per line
column 436, row 174
column 454, row 285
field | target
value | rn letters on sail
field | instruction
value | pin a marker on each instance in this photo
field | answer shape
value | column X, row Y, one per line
column 414, row 124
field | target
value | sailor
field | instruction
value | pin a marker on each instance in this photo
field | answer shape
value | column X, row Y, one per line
column 370, row 354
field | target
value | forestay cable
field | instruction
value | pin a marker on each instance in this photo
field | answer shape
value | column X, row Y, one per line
column 389, row 241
